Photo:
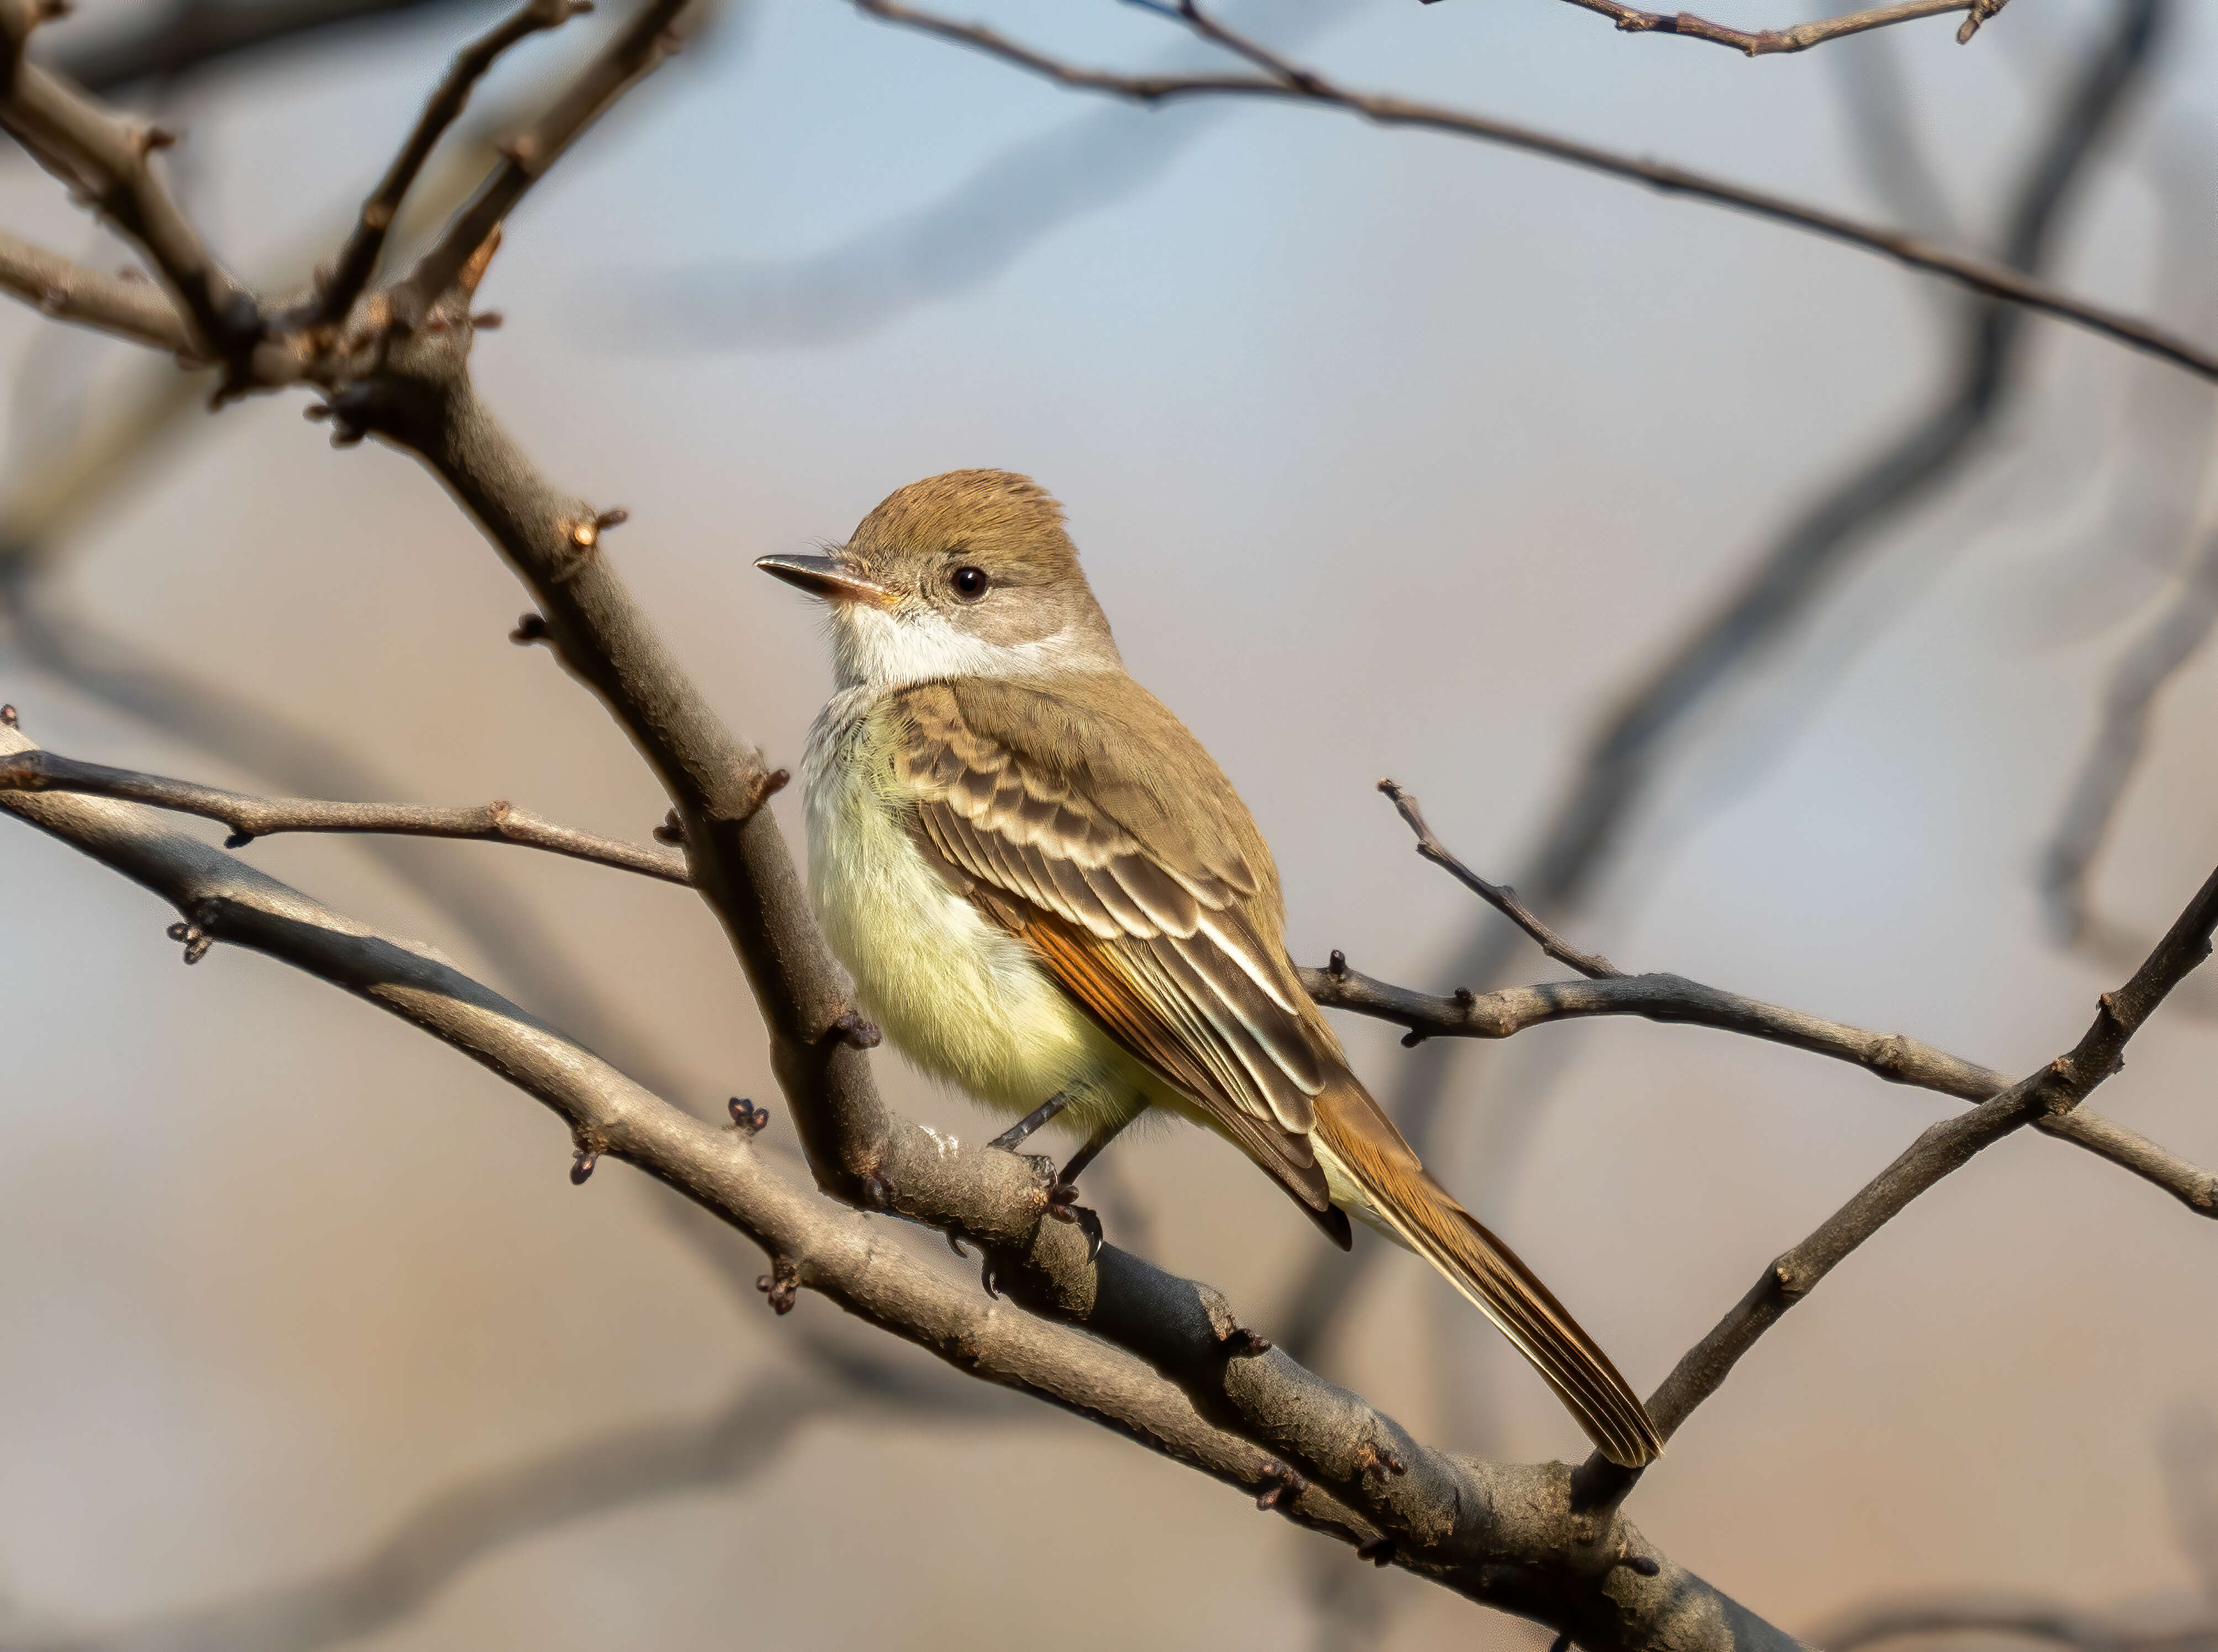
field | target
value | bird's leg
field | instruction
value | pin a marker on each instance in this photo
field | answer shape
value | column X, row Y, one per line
column 1009, row 1140
column 1062, row 1197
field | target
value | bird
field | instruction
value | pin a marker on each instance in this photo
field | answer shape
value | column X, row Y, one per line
column 1050, row 895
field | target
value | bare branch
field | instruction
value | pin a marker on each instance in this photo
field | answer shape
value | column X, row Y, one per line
column 1616, row 775
column 1756, row 43
column 1977, row 275
column 1674, row 1001
column 1506, row 1535
column 2051, row 1091
column 659, row 29
column 2114, row 752
column 357, row 260
column 2025, row 1620
column 192, row 37
column 434, row 1544
column 249, row 817
column 108, row 162
column 1500, row 896
column 69, row 292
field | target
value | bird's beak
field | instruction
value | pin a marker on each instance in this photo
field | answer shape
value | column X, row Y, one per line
column 827, row 577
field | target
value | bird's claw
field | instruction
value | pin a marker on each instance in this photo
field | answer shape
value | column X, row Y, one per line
column 1062, row 1204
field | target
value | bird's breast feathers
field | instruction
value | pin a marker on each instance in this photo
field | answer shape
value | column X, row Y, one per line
column 964, row 1000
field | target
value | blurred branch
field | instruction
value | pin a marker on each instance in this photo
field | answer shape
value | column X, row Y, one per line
column 357, row 259
column 1500, row 896
column 1756, row 43
column 1501, row 1014
column 2129, row 703
column 2031, row 1620
column 1627, row 754
column 2187, row 1448
column 113, row 304
column 1885, row 142
column 1166, row 1363
column 2188, row 1453
column 250, row 818
column 2050, row 1091
column 952, row 243
column 1498, row 1533
column 1673, row 999
column 656, row 31
column 192, row 36
column 449, row 1531
column 2003, row 282
column 107, row 162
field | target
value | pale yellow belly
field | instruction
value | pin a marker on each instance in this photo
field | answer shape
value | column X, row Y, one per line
column 964, row 1002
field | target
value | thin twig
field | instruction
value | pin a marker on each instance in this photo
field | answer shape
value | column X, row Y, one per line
column 1978, row 275
column 1674, row 1001
column 1500, row 896
column 107, row 161
column 658, row 28
column 1762, row 42
column 250, row 817
column 357, row 260
column 2051, row 1091
column 69, row 292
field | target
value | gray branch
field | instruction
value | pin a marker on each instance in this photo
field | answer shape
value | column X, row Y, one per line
column 1617, row 774
column 1289, row 83
column 1508, row 1535
column 449, row 1531
column 249, row 817
column 2050, row 1091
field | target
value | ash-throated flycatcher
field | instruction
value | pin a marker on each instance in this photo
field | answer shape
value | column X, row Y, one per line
column 1047, row 893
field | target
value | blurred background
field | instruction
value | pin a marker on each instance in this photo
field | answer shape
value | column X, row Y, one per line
column 1388, row 455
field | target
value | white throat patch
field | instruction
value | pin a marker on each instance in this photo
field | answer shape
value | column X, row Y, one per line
column 894, row 648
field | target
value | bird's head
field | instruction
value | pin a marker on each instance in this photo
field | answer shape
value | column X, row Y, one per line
column 967, row 574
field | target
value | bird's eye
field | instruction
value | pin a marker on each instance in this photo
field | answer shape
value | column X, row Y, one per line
column 968, row 584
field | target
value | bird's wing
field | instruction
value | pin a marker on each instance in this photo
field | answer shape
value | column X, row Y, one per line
column 1172, row 947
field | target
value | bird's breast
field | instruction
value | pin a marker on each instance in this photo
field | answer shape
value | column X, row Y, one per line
column 963, row 999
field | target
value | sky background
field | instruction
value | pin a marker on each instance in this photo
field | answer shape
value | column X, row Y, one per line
column 1387, row 454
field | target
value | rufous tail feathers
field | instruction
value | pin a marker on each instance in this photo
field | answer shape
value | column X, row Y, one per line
column 1353, row 1134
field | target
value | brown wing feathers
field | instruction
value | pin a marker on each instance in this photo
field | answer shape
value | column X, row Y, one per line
column 1164, row 924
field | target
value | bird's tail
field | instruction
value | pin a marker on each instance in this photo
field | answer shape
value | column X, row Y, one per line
column 1363, row 1153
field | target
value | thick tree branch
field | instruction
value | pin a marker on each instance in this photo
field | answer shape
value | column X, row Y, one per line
column 249, row 817
column 1303, row 85
column 1509, row 1536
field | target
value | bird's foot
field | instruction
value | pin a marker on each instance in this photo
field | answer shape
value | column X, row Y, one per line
column 1062, row 1204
